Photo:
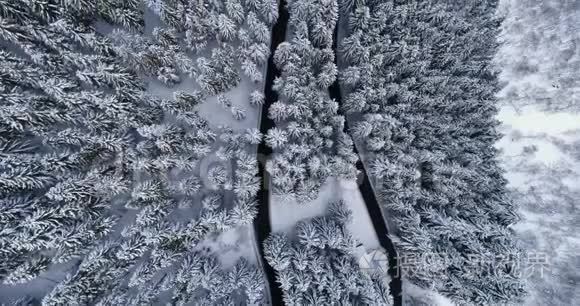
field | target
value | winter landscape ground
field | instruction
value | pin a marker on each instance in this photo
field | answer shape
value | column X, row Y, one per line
column 290, row 152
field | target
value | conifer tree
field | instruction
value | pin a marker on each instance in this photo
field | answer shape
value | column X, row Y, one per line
column 418, row 81
column 81, row 142
column 28, row 270
column 312, row 124
column 319, row 267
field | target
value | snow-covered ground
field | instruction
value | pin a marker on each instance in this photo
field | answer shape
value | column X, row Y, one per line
column 285, row 213
column 361, row 226
column 231, row 245
column 540, row 152
column 540, row 104
column 539, row 63
column 415, row 295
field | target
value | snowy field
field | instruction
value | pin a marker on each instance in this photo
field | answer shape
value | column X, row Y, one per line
column 540, row 104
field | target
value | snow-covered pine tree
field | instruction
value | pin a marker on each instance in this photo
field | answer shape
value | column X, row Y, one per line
column 238, row 113
column 160, row 57
column 202, row 279
column 256, row 98
column 60, row 134
column 28, row 270
column 148, row 295
column 70, row 112
column 218, row 73
column 99, row 270
column 79, row 239
column 78, row 138
column 116, row 297
column 317, row 268
column 418, row 75
column 312, row 125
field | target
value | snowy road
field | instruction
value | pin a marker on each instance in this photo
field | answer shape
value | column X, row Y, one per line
column 262, row 221
column 374, row 210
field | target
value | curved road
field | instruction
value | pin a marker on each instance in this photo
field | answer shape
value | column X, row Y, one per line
column 262, row 222
column 262, row 225
column 370, row 199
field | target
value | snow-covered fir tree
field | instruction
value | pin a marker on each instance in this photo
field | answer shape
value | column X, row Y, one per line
column 81, row 143
column 313, row 131
column 419, row 83
column 160, row 56
column 318, row 266
column 201, row 279
column 240, row 29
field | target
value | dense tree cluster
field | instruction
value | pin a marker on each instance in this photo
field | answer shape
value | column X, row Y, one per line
column 229, row 38
column 202, row 279
column 164, row 243
column 418, row 75
column 237, row 31
column 160, row 56
column 81, row 143
column 540, row 60
column 122, row 186
column 319, row 267
column 69, row 112
column 308, row 139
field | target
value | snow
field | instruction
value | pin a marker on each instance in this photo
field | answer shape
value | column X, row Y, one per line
column 231, row 245
column 544, row 183
column 530, row 120
column 415, row 296
column 361, row 226
column 541, row 126
column 216, row 115
column 284, row 213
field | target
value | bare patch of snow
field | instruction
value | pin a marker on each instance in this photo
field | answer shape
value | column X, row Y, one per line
column 232, row 245
column 415, row 296
column 217, row 115
column 529, row 120
column 361, row 226
column 286, row 212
